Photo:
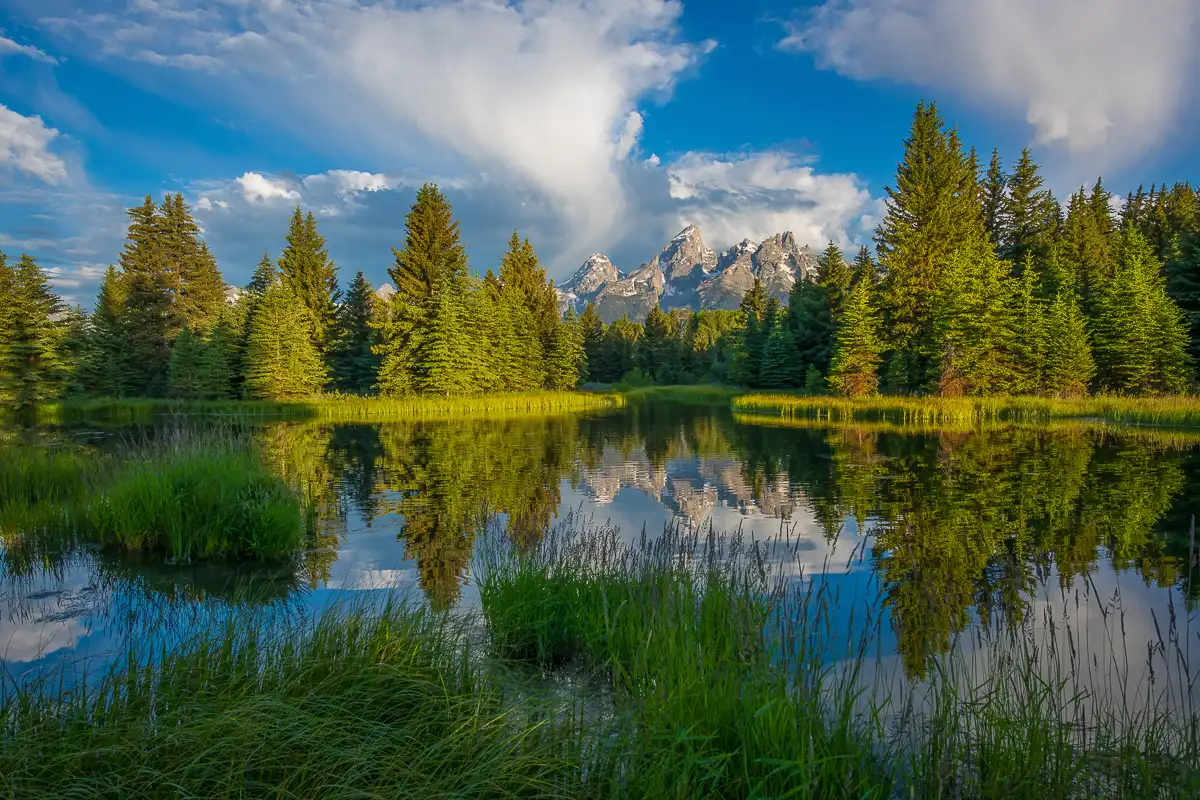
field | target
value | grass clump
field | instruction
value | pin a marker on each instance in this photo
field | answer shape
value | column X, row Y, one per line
column 360, row 702
column 201, row 503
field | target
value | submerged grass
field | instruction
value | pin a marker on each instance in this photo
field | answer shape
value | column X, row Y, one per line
column 336, row 408
column 1181, row 411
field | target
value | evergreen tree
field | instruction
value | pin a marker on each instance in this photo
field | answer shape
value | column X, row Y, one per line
column 355, row 363
column 105, row 370
column 265, row 275
column 812, row 325
column 973, row 326
column 618, row 351
column 282, row 361
column 149, row 320
column 1140, row 336
column 304, row 266
column 520, row 270
column 658, row 352
column 748, row 361
column 32, row 367
column 221, row 357
column 516, row 347
column 932, row 212
column 1028, row 215
column 433, row 253
column 197, row 280
column 1025, row 338
column 446, row 362
column 1183, row 284
column 592, row 331
column 185, row 379
column 814, row 381
column 566, row 354
column 854, row 371
column 994, row 196
column 1067, row 367
column 834, row 275
column 781, row 367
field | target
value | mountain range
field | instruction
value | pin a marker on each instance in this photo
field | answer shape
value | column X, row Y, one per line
column 687, row 274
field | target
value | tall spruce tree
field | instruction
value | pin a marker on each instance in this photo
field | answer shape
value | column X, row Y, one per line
column 265, row 275
column 447, row 361
column 32, row 365
column 748, row 361
column 973, row 324
column 197, row 281
column 104, row 370
column 1028, row 216
column 812, row 325
column 1183, row 284
column 835, row 276
column 149, row 319
column 354, row 360
column 520, row 270
column 932, row 211
column 781, row 366
column 854, row 371
column 282, row 361
column 1139, row 333
column 185, row 379
column 433, row 253
column 305, row 268
column 1066, row 365
column 592, row 331
column 566, row 354
column 994, row 196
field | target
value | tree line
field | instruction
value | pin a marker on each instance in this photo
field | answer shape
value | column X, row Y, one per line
column 165, row 325
column 980, row 282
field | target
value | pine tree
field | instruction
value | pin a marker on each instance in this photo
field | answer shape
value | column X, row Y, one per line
column 1028, row 218
column 812, row 325
column 592, row 331
column 814, row 381
column 433, row 253
column 1183, row 284
column 1067, row 367
column 658, row 353
column 520, row 270
column 105, row 370
column 221, row 358
column 748, row 361
column 994, row 195
column 355, row 364
column 198, row 282
column 305, row 267
column 1025, row 339
column 1140, row 336
column 854, row 371
column 184, row 374
column 566, row 354
column 32, row 367
column 265, row 276
column 781, row 367
column 446, row 362
column 149, row 320
column 864, row 268
column 834, row 275
column 932, row 212
column 282, row 361
column 973, row 325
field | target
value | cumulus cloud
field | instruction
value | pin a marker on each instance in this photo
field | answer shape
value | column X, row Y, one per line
column 25, row 146
column 759, row 195
column 259, row 189
column 1102, row 78
column 8, row 47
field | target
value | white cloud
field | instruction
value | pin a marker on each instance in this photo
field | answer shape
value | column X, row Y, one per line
column 9, row 47
column 1102, row 78
column 259, row 189
column 25, row 145
column 758, row 195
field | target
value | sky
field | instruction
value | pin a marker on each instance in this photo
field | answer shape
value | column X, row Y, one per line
column 586, row 125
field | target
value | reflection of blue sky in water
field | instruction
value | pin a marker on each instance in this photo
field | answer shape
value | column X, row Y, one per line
column 78, row 617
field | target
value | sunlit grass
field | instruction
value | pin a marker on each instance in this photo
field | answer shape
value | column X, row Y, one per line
column 348, row 408
column 1183, row 411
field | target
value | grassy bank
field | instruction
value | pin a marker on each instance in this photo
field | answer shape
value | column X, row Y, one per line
column 340, row 408
column 185, row 498
column 1181, row 411
column 701, row 394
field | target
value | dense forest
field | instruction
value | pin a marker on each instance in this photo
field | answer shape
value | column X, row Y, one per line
column 980, row 282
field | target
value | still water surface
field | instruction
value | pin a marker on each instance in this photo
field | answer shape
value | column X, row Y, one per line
column 940, row 534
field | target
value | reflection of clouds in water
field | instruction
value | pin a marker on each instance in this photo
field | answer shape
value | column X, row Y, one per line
column 36, row 639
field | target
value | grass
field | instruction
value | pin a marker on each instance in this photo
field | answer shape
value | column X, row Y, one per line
column 343, row 408
column 358, row 703
column 187, row 497
column 682, row 667
column 1180, row 411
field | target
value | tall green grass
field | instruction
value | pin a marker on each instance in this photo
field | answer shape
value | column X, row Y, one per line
column 361, row 702
column 1182, row 411
column 337, row 408
column 188, row 497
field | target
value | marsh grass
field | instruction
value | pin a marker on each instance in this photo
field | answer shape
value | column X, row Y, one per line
column 342, row 408
column 1181, row 411
column 360, row 702
column 187, row 496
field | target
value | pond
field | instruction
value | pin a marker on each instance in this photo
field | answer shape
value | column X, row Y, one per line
column 937, row 540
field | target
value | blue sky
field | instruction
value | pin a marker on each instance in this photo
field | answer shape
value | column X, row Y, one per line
column 590, row 125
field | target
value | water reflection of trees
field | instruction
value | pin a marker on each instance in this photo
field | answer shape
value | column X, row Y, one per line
column 965, row 522
column 974, row 520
